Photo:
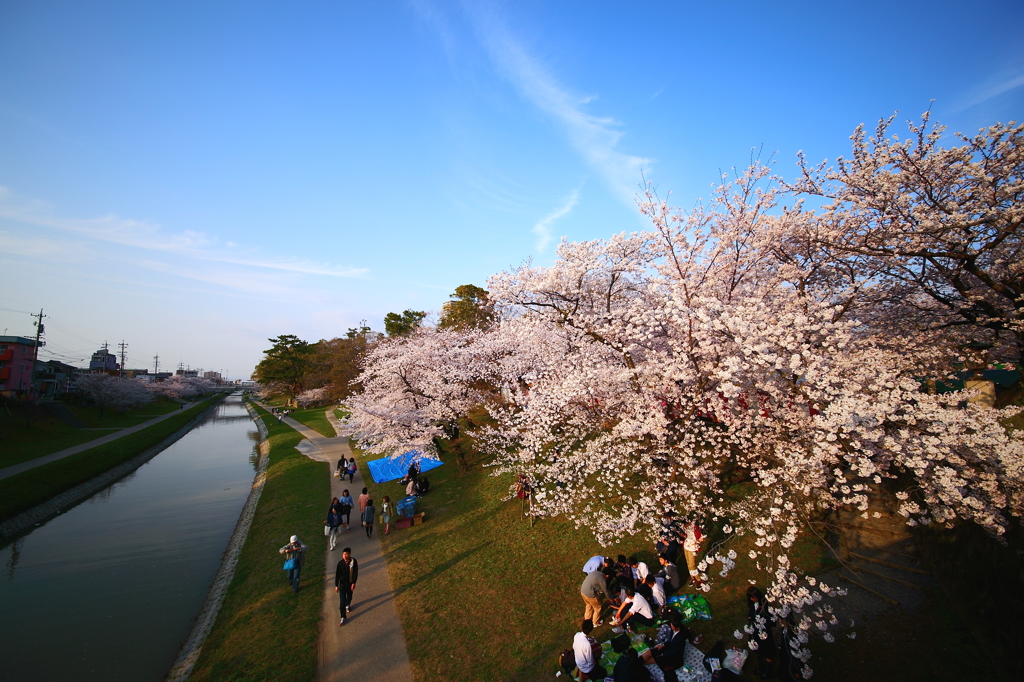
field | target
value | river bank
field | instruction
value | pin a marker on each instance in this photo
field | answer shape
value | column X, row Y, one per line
column 125, row 572
column 40, row 493
column 263, row 630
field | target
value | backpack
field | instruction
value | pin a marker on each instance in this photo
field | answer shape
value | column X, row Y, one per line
column 567, row 660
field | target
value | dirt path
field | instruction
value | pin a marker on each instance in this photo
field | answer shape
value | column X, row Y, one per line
column 370, row 646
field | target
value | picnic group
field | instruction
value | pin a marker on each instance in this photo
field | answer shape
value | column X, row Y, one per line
column 648, row 612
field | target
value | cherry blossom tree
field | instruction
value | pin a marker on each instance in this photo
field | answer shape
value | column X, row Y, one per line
column 316, row 396
column 416, row 389
column 745, row 341
column 116, row 393
column 181, row 387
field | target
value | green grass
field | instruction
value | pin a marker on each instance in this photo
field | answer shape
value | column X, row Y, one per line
column 90, row 414
column 264, row 631
column 35, row 486
column 19, row 444
column 49, row 434
column 316, row 419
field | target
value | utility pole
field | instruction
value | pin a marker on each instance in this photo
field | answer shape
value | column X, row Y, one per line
column 122, row 346
column 156, row 364
column 35, row 352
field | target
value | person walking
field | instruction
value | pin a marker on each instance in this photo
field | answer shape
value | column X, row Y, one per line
column 364, row 497
column 351, row 470
column 333, row 521
column 368, row 513
column 386, row 512
column 345, row 576
column 346, row 509
column 592, row 589
column 294, row 552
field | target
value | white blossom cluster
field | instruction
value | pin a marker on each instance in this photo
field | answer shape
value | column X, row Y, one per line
column 315, row 396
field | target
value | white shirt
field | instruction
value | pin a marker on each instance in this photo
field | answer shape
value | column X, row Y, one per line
column 658, row 592
column 583, row 652
column 641, row 572
column 640, row 605
column 594, row 564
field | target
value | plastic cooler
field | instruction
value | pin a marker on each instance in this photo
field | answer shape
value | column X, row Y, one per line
column 406, row 507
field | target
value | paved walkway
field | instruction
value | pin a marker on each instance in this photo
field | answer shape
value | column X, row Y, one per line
column 16, row 469
column 370, row 646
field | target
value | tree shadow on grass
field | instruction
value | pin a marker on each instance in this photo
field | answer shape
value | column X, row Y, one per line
column 442, row 567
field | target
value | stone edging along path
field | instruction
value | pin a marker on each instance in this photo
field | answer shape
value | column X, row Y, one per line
column 69, row 498
column 189, row 654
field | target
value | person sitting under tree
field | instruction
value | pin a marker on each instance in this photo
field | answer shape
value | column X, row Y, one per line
column 639, row 614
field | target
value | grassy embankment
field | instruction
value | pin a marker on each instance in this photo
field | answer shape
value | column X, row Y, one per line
column 264, row 631
column 316, row 419
column 35, row 486
column 49, row 434
column 476, row 579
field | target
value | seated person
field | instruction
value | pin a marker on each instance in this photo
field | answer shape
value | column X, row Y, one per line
column 671, row 654
column 639, row 613
column 639, row 570
column 629, row 668
column 670, row 574
column 656, row 586
column 410, row 489
column 588, row 652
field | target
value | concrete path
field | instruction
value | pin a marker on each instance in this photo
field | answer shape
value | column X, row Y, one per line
column 16, row 469
column 371, row 645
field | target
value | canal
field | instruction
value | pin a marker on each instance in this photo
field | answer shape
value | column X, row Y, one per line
column 109, row 589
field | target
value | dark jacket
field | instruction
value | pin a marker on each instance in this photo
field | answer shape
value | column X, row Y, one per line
column 673, row 653
column 629, row 668
column 368, row 514
column 334, row 515
column 755, row 611
column 346, row 573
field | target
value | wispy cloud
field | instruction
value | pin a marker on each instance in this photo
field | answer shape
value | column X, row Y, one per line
column 993, row 87
column 594, row 137
column 147, row 235
column 543, row 227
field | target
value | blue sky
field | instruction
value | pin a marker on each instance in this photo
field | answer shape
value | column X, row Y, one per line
column 194, row 178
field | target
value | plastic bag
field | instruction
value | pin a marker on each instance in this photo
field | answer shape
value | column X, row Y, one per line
column 734, row 660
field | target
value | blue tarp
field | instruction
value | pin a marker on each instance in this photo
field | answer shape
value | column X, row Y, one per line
column 391, row 469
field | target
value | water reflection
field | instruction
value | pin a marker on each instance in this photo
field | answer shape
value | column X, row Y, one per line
column 12, row 561
column 123, row 574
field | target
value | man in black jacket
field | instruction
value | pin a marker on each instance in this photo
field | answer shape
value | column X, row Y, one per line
column 345, row 581
column 671, row 654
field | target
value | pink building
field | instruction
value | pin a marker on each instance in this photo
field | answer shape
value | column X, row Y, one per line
column 16, row 364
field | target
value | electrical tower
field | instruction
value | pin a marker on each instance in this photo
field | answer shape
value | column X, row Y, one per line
column 156, row 364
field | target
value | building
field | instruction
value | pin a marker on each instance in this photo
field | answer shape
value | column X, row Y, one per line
column 213, row 376
column 54, row 378
column 16, row 356
column 187, row 372
column 103, row 361
column 135, row 373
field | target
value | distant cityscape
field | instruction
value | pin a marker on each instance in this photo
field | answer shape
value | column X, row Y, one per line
column 23, row 375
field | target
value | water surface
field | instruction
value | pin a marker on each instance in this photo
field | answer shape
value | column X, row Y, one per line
column 109, row 589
